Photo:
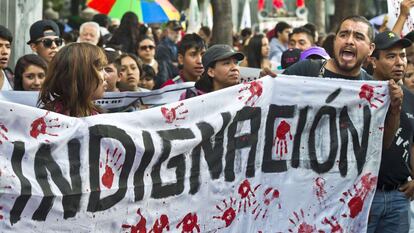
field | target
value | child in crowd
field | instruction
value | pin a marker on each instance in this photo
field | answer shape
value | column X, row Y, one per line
column 75, row 78
column 29, row 73
column 130, row 72
column 147, row 77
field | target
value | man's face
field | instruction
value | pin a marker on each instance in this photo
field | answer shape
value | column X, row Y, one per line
column 284, row 35
column 409, row 77
column 174, row 35
column 391, row 64
column 89, row 34
column 192, row 65
column 352, row 46
column 5, row 50
column 300, row 41
column 44, row 48
column 225, row 73
column 112, row 77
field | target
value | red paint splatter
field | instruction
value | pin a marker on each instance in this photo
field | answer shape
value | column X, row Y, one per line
column 40, row 126
column 281, row 131
column 255, row 90
column 300, row 225
column 361, row 191
column 246, row 194
column 367, row 92
column 108, row 176
column 170, row 115
column 333, row 223
column 140, row 227
column 3, row 135
column 161, row 224
column 190, row 223
column 319, row 189
column 229, row 213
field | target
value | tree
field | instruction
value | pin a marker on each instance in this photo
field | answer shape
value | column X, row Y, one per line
column 342, row 10
column 222, row 22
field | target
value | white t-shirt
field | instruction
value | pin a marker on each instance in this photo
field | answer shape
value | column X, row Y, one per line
column 6, row 85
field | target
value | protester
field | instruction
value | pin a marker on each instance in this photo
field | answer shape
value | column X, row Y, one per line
column 314, row 31
column 127, row 33
column 6, row 76
column 146, row 52
column 75, row 78
column 190, row 52
column 45, row 39
column 89, row 32
column 205, row 34
column 112, row 70
column 166, row 53
column 353, row 44
column 301, row 38
column 279, row 43
column 130, row 72
column 290, row 57
column 257, row 54
column 29, row 73
column 221, row 68
column 390, row 206
column 147, row 77
column 103, row 21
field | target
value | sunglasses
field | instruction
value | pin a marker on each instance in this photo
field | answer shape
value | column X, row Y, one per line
column 47, row 43
column 145, row 47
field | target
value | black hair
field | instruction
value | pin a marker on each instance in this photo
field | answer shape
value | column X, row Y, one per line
column 246, row 32
column 148, row 71
column 102, row 20
column 206, row 30
column 328, row 44
column 6, row 34
column 189, row 41
column 118, row 61
column 304, row 30
column 362, row 19
column 312, row 28
column 280, row 27
column 21, row 66
column 254, row 51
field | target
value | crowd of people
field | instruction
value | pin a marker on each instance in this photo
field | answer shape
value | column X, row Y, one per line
column 70, row 75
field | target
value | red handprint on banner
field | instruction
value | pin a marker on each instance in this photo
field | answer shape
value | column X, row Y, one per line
column 111, row 164
column 300, row 225
column 357, row 197
column 319, row 188
column 333, row 223
column 3, row 131
column 140, row 227
column 367, row 92
column 40, row 125
column 160, row 224
column 172, row 114
column 255, row 90
column 229, row 213
column 280, row 141
column 270, row 196
column 247, row 194
column 190, row 223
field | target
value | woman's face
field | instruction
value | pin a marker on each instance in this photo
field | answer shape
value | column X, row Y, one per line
column 33, row 78
column 265, row 47
column 129, row 74
column 146, row 50
column 102, row 86
column 147, row 83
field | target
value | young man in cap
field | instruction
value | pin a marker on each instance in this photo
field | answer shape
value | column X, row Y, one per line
column 352, row 45
column 6, row 76
column 190, row 51
column 45, row 39
column 390, row 207
column 166, row 53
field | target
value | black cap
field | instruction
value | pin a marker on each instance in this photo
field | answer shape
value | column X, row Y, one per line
column 290, row 57
column 389, row 39
column 174, row 25
column 37, row 30
column 410, row 36
column 215, row 53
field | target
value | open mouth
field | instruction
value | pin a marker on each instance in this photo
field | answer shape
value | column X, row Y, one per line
column 348, row 54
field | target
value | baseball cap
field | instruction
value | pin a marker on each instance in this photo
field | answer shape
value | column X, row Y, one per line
column 174, row 25
column 37, row 30
column 388, row 39
column 410, row 36
column 290, row 57
column 314, row 52
column 215, row 53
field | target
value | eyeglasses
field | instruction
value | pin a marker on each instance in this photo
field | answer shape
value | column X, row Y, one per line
column 145, row 47
column 47, row 43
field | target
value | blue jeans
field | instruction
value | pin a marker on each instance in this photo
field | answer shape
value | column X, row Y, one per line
column 389, row 213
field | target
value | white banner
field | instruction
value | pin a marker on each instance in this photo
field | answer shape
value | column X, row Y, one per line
column 288, row 154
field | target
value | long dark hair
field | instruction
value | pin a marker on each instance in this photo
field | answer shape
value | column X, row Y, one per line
column 254, row 51
column 21, row 66
column 127, row 33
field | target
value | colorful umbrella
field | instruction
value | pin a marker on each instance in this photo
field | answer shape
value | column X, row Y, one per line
column 148, row 11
